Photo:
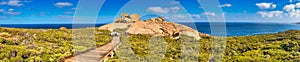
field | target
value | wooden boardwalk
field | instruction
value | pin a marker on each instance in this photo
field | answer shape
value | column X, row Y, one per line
column 97, row 54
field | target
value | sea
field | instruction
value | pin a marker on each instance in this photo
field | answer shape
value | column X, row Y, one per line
column 232, row 28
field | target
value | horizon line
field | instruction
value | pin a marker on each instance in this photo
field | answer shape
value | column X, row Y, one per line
column 168, row 21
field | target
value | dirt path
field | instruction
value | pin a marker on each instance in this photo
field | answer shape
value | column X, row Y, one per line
column 96, row 54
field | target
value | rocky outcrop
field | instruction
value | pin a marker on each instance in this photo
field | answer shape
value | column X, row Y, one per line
column 125, row 18
column 156, row 29
column 113, row 26
column 63, row 28
column 185, row 30
column 153, row 26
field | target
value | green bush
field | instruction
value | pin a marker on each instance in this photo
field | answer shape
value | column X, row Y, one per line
column 51, row 45
column 43, row 45
column 139, row 44
column 280, row 47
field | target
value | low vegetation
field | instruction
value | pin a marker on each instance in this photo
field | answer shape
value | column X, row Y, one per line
column 279, row 47
column 46, row 45
column 51, row 45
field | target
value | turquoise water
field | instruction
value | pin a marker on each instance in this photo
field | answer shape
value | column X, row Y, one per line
column 247, row 28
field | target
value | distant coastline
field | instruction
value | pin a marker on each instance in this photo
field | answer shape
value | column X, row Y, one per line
column 50, row 26
column 233, row 28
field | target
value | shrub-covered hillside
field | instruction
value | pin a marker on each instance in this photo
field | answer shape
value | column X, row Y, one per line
column 51, row 45
column 279, row 47
column 45, row 45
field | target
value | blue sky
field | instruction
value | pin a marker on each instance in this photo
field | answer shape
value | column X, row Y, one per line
column 62, row 11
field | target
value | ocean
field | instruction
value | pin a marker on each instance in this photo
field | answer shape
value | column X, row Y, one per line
column 233, row 28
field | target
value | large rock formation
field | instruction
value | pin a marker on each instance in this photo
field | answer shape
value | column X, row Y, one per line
column 113, row 26
column 156, row 29
column 125, row 18
column 154, row 26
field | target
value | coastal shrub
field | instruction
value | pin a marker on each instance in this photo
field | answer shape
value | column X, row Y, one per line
column 279, row 47
column 4, row 34
column 103, row 37
column 139, row 44
column 51, row 45
column 42, row 45
column 290, row 46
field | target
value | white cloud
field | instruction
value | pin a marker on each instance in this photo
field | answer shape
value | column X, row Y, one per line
column 177, row 16
column 74, row 8
column 69, row 13
column 158, row 10
column 290, row 7
column 10, row 12
column 13, row 13
column 163, row 10
column 14, row 3
column 266, row 5
column 225, row 5
column 270, row 14
column 294, row 14
column 10, row 9
column 196, row 16
column 298, row 5
column 63, row 4
column 289, row 11
column 3, row 3
column 209, row 14
column 291, row 1
column 175, row 2
column 175, row 9
column 292, row 10
column 273, row 6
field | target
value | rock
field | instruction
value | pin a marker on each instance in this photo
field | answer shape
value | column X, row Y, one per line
column 125, row 18
column 154, row 27
column 135, row 17
column 144, row 28
column 204, row 35
column 161, row 19
column 113, row 26
column 124, row 15
column 185, row 30
column 162, row 29
column 170, row 29
column 153, row 20
column 63, row 28
column 145, row 20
